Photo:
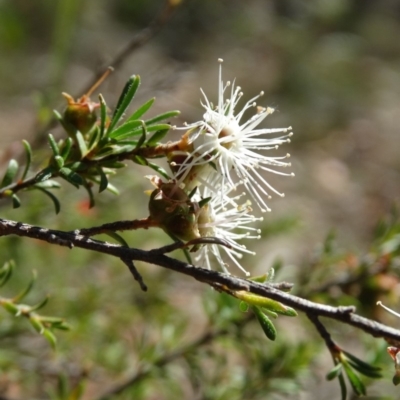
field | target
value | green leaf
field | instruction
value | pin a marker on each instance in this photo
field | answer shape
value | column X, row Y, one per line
column 126, row 130
column 16, row 201
column 334, row 372
column 65, row 150
column 113, row 164
column 10, row 174
column 158, row 169
column 60, row 161
column 141, row 110
column 343, row 388
column 355, row 381
column 371, row 372
column 266, row 324
column 81, row 144
column 163, row 117
column 143, row 137
column 28, row 153
column 53, row 145
column 45, row 174
column 118, row 238
column 396, row 378
column 103, row 180
column 111, row 150
column 94, row 138
column 243, row 306
column 157, row 137
column 103, row 116
column 259, row 279
column 91, row 196
column 111, row 188
column 265, row 302
column 125, row 99
column 360, row 363
column 270, row 313
column 40, row 305
column 10, row 307
column 49, row 335
column 72, row 177
column 53, row 198
column 35, row 322
column 6, row 272
column 49, row 184
column 22, row 294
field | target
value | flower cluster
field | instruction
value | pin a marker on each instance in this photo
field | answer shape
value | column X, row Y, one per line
column 218, row 154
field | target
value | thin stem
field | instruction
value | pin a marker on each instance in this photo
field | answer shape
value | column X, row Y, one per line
column 323, row 332
column 128, row 225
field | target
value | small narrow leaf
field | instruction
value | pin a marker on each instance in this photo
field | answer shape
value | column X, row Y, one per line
column 103, row 179
column 94, row 138
column 72, row 177
column 163, row 117
column 81, row 144
column 65, row 150
column 91, row 196
column 370, row 372
column 243, row 306
column 343, row 388
column 360, row 363
column 141, row 110
column 125, row 99
column 49, row 184
column 53, row 145
column 259, row 279
column 111, row 188
column 22, row 294
column 53, row 198
column 10, row 173
column 16, row 201
column 35, row 322
column 6, row 272
column 60, row 161
column 157, row 137
column 266, row 324
column 355, row 381
column 50, row 338
column 265, row 302
column 126, row 130
column 10, row 307
column 117, row 237
column 40, row 305
column 334, row 372
column 159, row 169
column 28, row 153
column 103, row 116
column 45, row 174
column 143, row 137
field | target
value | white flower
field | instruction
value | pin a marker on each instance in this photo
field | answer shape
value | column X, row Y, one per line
column 228, row 221
column 221, row 140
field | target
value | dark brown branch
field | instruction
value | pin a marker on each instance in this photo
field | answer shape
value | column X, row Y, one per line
column 135, row 273
column 144, row 223
column 322, row 331
column 343, row 314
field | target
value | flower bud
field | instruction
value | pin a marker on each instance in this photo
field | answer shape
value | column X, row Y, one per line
column 80, row 115
column 174, row 212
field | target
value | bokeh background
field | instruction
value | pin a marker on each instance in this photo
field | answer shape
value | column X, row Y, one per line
column 331, row 68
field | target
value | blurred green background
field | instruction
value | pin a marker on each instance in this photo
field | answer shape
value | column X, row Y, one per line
column 331, row 68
